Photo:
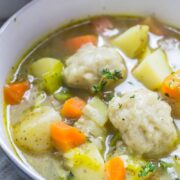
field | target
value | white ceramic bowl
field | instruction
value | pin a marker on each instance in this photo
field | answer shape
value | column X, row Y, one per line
column 41, row 17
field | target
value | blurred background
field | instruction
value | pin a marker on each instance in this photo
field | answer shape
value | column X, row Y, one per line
column 7, row 170
column 9, row 7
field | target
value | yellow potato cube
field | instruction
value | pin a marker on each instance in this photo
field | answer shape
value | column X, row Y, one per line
column 153, row 69
column 134, row 41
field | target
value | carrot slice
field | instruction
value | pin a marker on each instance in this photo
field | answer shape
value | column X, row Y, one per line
column 66, row 137
column 13, row 93
column 114, row 169
column 73, row 107
column 171, row 85
column 75, row 43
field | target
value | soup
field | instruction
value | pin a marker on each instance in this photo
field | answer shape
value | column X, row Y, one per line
column 99, row 99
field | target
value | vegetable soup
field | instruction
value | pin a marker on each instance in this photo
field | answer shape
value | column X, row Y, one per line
column 99, row 99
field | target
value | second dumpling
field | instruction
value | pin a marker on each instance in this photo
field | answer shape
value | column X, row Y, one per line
column 84, row 68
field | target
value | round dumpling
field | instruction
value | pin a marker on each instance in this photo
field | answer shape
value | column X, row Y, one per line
column 84, row 68
column 144, row 122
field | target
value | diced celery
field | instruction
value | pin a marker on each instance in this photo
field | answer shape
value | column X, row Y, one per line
column 93, row 131
column 50, row 71
column 90, row 127
column 62, row 95
column 153, row 69
column 134, row 41
column 96, row 110
column 85, row 162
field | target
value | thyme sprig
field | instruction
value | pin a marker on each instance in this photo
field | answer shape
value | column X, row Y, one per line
column 148, row 168
column 106, row 75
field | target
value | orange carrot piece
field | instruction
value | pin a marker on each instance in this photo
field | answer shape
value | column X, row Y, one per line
column 75, row 43
column 66, row 137
column 171, row 86
column 114, row 169
column 13, row 93
column 73, row 107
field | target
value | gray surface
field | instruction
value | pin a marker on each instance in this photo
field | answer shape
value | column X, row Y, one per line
column 8, row 7
column 8, row 171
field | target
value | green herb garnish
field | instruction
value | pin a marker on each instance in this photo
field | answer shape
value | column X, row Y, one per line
column 115, row 75
column 108, row 95
column 99, row 87
column 120, row 106
column 148, row 168
column 159, row 97
column 106, row 75
column 177, row 178
column 114, row 139
column 131, row 83
column 175, row 157
column 70, row 176
column 133, row 96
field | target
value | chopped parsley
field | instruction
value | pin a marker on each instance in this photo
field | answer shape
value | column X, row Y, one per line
column 133, row 96
column 106, row 75
column 131, row 83
column 148, row 168
column 99, row 87
column 159, row 97
column 175, row 157
column 120, row 106
column 70, row 176
column 115, row 75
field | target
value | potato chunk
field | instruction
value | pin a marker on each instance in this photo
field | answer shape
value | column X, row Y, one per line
column 134, row 41
column 85, row 162
column 153, row 69
column 32, row 133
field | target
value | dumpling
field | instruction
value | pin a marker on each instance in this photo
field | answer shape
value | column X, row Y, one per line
column 145, row 123
column 84, row 68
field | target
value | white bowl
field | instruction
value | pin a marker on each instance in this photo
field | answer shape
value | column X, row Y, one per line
column 41, row 17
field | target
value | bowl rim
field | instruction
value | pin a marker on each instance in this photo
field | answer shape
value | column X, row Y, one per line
column 5, row 149
column 18, row 162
